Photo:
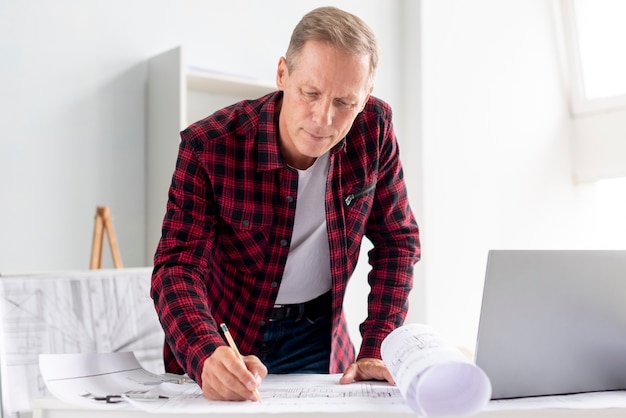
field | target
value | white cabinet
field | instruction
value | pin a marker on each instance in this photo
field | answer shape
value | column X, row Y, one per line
column 176, row 97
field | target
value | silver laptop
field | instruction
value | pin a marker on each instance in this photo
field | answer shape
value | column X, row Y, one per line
column 553, row 322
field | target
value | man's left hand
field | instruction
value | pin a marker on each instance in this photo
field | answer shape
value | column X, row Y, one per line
column 366, row 369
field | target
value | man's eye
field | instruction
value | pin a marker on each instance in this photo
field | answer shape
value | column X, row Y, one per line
column 345, row 104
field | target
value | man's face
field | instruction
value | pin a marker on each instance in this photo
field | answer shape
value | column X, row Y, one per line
column 323, row 94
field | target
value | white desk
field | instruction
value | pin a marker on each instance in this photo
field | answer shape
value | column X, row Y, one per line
column 54, row 408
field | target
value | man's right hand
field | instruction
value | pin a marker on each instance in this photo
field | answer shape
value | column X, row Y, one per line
column 226, row 378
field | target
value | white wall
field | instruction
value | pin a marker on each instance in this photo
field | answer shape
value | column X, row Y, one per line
column 497, row 147
column 72, row 102
column 600, row 145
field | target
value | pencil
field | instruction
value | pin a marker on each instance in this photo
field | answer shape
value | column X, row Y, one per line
column 232, row 344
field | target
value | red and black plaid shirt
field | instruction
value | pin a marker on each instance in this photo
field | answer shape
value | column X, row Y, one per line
column 229, row 222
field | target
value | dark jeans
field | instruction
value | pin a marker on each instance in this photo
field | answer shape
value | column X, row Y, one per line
column 297, row 345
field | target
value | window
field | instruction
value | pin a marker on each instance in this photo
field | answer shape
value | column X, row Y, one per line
column 595, row 35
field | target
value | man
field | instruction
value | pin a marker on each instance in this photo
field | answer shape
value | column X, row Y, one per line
column 269, row 202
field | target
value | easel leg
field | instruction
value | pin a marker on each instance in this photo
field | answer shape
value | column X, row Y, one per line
column 103, row 225
column 108, row 226
column 96, row 247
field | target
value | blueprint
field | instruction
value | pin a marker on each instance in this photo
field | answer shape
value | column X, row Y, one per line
column 434, row 376
column 88, row 380
column 95, row 311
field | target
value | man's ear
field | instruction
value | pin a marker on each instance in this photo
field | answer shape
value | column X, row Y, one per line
column 282, row 72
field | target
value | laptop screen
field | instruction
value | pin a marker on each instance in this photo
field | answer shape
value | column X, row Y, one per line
column 553, row 322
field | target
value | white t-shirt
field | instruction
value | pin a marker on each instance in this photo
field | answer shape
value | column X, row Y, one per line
column 307, row 271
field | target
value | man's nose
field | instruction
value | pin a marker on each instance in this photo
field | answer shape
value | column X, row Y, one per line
column 323, row 112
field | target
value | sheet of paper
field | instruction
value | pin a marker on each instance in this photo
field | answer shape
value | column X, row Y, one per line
column 85, row 379
column 286, row 394
column 435, row 378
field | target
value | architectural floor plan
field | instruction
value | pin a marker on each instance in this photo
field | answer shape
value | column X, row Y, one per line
column 95, row 311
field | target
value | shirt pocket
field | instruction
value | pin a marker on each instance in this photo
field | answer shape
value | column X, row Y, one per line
column 357, row 194
column 243, row 236
column 358, row 199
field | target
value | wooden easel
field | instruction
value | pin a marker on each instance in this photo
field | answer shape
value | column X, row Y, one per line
column 104, row 224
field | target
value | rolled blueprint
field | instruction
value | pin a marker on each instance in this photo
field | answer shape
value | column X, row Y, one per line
column 434, row 376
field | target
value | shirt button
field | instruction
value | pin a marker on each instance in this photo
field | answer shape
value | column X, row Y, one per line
column 274, row 284
column 289, row 199
column 245, row 223
column 284, row 242
column 261, row 323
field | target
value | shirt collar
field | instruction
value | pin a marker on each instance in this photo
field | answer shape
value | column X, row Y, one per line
column 268, row 151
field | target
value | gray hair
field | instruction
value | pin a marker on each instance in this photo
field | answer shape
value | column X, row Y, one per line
column 341, row 29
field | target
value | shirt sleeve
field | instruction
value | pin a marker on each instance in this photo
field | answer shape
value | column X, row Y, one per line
column 394, row 233
column 179, row 290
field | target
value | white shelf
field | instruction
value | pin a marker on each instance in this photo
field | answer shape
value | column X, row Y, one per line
column 224, row 84
column 176, row 97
